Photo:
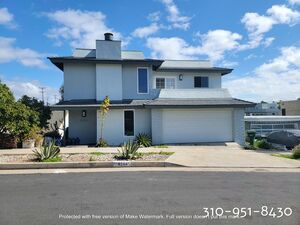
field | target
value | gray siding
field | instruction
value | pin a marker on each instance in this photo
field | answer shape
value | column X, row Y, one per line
column 83, row 127
column 156, row 123
column 113, row 131
column 239, row 126
column 214, row 79
column 109, row 81
column 130, row 84
column 79, row 81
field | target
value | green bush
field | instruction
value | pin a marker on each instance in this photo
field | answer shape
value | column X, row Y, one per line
column 129, row 151
column 102, row 143
column 263, row 144
column 144, row 140
column 47, row 152
column 296, row 152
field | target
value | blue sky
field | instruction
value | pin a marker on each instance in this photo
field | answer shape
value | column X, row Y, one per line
column 259, row 39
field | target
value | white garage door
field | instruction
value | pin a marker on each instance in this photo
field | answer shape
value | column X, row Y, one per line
column 198, row 125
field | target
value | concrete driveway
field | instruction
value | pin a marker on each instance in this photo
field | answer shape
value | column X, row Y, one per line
column 227, row 155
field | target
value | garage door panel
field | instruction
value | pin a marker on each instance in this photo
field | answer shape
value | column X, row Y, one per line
column 183, row 126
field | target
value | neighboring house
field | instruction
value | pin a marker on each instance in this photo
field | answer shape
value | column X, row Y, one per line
column 173, row 101
column 267, row 124
column 263, row 109
column 290, row 108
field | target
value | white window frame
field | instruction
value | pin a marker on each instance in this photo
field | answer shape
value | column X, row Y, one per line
column 137, row 80
column 164, row 77
column 134, row 123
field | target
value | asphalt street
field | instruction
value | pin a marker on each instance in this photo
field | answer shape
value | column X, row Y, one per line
column 150, row 198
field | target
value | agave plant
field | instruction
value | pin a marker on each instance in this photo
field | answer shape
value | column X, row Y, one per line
column 144, row 140
column 128, row 151
column 46, row 152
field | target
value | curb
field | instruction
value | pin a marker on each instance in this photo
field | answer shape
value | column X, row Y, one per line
column 110, row 164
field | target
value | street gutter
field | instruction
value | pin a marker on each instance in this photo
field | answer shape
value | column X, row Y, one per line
column 108, row 164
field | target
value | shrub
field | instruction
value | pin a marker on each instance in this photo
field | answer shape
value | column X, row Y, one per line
column 47, row 152
column 263, row 144
column 128, row 151
column 296, row 152
column 55, row 159
column 144, row 140
column 102, row 143
column 249, row 147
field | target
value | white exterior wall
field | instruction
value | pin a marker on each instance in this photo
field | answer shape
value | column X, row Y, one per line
column 239, row 126
column 214, row 79
column 79, row 81
column 109, row 81
column 113, row 131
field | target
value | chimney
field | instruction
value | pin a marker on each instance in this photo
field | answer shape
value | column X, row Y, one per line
column 108, row 37
column 108, row 48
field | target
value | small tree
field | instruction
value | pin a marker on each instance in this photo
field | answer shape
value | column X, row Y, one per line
column 16, row 119
column 104, row 108
column 44, row 112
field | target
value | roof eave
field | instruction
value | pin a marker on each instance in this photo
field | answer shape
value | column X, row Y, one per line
column 222, row 71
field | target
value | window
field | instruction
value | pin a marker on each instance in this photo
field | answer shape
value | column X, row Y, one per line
column 160, row 83
column 142, row 80
column 165, row 83
column 201, row 82
column 129, row 123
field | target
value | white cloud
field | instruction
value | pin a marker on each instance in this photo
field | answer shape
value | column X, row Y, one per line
column 294, row 2
column 80, row 28
column 25, row 56
column 268, row 41
column 32, row 89
column 214, row 44
column 257, row 25
column 279, row 79
column 6, row 18
column 143, row 32
column 284, row 15
column 154, row 17
column 175, row 17
column 170, row 48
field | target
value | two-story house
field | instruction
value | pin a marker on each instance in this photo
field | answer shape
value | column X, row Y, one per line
column 173, row 101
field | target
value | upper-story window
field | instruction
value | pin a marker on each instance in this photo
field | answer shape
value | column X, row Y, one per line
column 165, row 83
column 201, row 82
column 142, row 80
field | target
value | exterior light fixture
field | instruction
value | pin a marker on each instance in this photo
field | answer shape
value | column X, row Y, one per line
column 83, row 113
column 180, row 77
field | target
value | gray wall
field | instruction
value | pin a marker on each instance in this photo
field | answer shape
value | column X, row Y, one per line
column 113, row 131
column 156, row 123
column 79, row 81
column 214, row 79
column 239, row 126
column 89, row 81
column 130, row 83
column 109, row 81
column 83, row 127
